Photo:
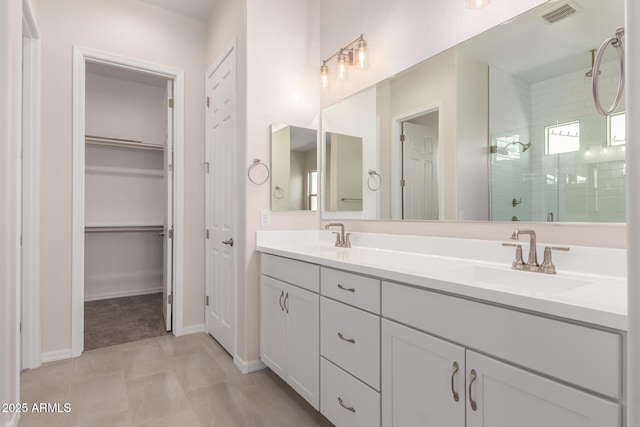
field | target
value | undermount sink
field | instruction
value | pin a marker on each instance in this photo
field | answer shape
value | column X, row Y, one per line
column 523, row 280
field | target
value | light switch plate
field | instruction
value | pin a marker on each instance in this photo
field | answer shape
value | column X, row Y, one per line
column 265, row 218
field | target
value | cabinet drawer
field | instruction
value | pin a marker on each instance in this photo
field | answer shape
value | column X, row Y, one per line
column 581, row 355
column 353, row 289
column 350, row 338
column 344, row 400
column 297, row 273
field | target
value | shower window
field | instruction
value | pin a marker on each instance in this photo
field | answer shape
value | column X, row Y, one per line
column 616, row 129
column 562, row 137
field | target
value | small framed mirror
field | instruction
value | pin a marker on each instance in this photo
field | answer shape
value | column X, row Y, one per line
column 294, row 168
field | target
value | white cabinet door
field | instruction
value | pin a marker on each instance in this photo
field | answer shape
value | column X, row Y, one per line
column 303, row 336
column 290, row 336
column 506, row 396
column 422, row 379
column 273, row 318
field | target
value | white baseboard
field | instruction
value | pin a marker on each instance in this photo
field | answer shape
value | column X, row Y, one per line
column 52, row 356
column 122, row 294
column 248, row 367
column 193, row 329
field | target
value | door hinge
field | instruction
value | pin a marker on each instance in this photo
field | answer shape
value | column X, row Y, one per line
column 207, row 102
column 206, row 300
column 170, row 102
column 171, row 164
column 171, row 233
column 206, row 233
column 402, row 183
column 402, row 138
column 170, row 299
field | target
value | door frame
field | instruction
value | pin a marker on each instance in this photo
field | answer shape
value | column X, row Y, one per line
column 82, row 55
column 396, row 156
column 29, row 295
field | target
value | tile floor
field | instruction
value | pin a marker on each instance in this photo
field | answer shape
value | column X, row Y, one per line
column 165, row 381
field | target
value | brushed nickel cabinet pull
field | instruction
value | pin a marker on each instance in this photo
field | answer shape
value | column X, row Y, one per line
column 348, row 408
column 346, row 289
column 472, row 378
column 281, row 296
column 351, row 340
column 455, row 369
column 286, row 307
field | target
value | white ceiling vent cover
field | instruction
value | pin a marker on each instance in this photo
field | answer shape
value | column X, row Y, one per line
column 563, row 10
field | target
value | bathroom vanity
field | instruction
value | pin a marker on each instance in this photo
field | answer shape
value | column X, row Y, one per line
column 407, row 331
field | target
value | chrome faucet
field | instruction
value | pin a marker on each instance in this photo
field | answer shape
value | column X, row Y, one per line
column 532, row 261
column 342, row 240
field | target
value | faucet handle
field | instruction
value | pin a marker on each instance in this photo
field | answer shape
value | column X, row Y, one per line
column 347, row 240
column 518, row 262
column 338, row 239
column 547, row 264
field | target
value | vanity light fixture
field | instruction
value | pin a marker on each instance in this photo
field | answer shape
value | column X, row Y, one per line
column 476, row 4
column 353, row 54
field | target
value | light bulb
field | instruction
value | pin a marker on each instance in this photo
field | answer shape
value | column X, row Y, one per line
column 324, row 76
column 476, row 4
column 342, row 67
column 362, row 53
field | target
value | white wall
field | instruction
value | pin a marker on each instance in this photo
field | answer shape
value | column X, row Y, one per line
column 144, row 32
column 472, row 167
column 402, row 33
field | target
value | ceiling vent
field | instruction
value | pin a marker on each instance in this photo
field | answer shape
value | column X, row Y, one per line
column 563, row 10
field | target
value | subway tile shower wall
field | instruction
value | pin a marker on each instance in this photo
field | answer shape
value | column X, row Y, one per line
column 585, row 185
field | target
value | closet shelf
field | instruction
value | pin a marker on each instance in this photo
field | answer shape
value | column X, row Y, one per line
column 121, row 143
column 123, row 229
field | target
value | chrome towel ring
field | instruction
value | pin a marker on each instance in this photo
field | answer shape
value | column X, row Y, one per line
column 258, row 172
column 617, row 43
column 278, row 192
column 374, row 180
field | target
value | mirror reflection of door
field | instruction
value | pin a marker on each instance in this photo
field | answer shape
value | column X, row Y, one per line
column 419, row 167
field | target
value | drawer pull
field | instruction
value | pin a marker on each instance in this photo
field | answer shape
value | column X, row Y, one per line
column 472, row 378
column 351, row 340
column 281, row 296
column 346, row 289
column 348, row 408
column 455, row 369
column 286, row 307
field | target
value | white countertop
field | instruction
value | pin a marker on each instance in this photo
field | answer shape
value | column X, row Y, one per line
column 595, row 292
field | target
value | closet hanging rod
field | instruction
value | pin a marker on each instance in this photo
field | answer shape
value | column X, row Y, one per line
column 121, row 143
column 125, row 229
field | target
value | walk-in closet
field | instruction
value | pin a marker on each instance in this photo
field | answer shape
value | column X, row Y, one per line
column 128, row 205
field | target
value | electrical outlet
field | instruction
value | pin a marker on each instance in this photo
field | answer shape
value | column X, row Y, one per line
column 265, row 218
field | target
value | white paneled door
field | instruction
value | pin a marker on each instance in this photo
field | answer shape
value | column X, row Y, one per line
column 167, row 225
column 420, row 195
column 220, row 200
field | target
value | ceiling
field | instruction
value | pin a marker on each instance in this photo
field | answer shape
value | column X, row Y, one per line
column 198, row 9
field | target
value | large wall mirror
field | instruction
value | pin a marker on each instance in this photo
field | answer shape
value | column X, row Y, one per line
column 294, row 170
column 499, row 128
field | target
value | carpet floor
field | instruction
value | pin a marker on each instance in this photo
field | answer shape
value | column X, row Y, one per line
column 119, row 320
